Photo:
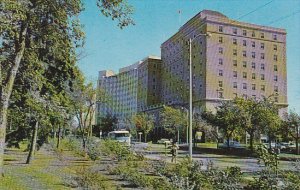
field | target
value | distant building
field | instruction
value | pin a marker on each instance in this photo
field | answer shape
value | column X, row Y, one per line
column 237, row 59
column 149, row 83
column 133, row 88
column 120, row 94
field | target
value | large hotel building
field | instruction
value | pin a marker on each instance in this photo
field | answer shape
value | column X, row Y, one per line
column 229, row 59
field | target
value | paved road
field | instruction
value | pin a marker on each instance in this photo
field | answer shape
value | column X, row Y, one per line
column 247, row 164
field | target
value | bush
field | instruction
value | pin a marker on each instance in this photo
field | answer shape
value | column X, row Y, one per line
column 90, row 179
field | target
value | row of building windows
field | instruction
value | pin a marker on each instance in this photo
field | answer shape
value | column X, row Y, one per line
column 253, row 64
column 220, row 95
column 245, row 33
column 262, row 76
column 244, row 86
column 253, row 44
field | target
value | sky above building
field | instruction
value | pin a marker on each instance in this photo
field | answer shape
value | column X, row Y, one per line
column 110, row 48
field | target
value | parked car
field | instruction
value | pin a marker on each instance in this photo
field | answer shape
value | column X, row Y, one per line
column 232, row 144
column 283, row 145
column 164, row 141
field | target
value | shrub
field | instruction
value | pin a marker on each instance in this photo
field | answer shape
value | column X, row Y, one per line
column 90, row 179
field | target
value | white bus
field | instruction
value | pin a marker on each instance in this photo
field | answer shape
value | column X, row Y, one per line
column 120, row 136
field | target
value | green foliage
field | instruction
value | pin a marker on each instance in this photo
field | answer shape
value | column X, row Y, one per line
column 117, row 9
column 107, row 124
column 192, row 175
column 144, row 122
column 115, row 149
column 173, row 120
column 91, row 179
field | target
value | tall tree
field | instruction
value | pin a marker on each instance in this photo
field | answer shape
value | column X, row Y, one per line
column 144, row 122
column 291, row 125
column 225, row 119
column 173, row 120
column 29, row 27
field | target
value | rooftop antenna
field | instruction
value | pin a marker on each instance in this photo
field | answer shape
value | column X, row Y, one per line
column 179, row 17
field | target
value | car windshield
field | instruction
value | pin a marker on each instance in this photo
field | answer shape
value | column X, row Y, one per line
column 121, row 135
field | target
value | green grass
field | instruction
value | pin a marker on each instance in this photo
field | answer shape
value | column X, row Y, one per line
column 9, row 182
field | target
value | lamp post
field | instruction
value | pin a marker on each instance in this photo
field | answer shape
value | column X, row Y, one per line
column 191, row 95
column 187, row 124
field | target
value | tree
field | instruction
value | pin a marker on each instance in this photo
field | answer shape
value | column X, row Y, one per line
column 225, row 119
column 269, row 120
column 144, row 122
column 83, row 100
column 173, row 119
column 108, row 124
column 291, row 125
column 30, row 27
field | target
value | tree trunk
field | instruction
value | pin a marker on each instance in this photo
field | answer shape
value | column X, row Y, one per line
column 297, row 146
column 58, row 137
column 145, row 137
column 33, row 143
column 228, row 143
column 6, row 91
column 251, row 141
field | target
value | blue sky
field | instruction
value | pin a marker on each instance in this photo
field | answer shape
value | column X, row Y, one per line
column 108, row 47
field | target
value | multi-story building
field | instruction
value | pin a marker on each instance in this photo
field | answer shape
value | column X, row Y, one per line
column 133, row 89
column 120, row 94
column 149, row 81
column 229, row 59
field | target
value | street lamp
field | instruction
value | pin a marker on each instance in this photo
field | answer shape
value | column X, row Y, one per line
column 191, row 95
column 187, row 125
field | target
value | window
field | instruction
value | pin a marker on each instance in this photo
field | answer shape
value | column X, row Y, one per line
column 235, row 74
column 244, row 54
column 234, row 84
column 275, row 68
column 253, row 34
column 262, row 56
column 244, row 32
column 253, row 87
column 275, row 88
column 262, row 87
column 244, row 64
column 253, row 65
column 220, row 28
column 220, row 83
column 235, row 52
column 262, row 77
column 220, row 72
column 244, row 43
column 254, row 97
column 275, row 99
column 245, row 86
column 220, row 61
column 275, row 57
column 235, row 63
column 253, row 76
column 274, row 37
column 253, row 44
column 262, row 35
column 234, row 41
column 253, row 54
column 220, row 50
column 235, row 95
column 220, row 94
column 245, row 96
column 275, row 78
column 234, row 30
column 244, row 75
column 275, row 47
column 262, row 45
column 220, row 39
column 262, row 66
